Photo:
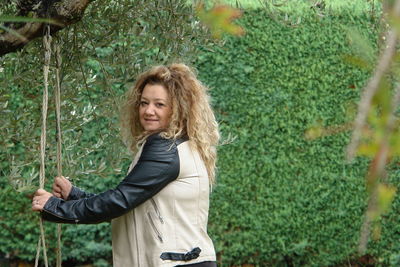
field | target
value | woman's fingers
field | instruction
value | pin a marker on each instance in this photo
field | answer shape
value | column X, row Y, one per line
column 61, row 187
column 40, row 199
column 59, row 181
column 40, row 192
column 36, row 206
column 56, row 188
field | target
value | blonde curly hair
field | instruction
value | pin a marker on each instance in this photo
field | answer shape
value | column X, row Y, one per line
column 192, row 114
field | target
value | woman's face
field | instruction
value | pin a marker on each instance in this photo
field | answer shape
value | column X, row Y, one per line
column 155, row 108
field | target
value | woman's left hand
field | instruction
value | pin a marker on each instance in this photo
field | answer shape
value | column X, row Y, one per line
column 39, row 200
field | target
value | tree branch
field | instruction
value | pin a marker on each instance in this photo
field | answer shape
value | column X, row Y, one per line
column 383, row 65
column 64, row 12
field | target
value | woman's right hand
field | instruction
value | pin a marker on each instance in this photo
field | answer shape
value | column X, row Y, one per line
column 61, row 187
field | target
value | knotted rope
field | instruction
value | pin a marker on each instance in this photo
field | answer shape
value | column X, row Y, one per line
column 46, row 68
column 57, row 99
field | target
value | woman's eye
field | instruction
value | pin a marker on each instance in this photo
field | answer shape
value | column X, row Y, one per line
column 160, row 105
column 143, row 103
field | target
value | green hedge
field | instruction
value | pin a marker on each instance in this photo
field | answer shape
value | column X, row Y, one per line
column 282, row 199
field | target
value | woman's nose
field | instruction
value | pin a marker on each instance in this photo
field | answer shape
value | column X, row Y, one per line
column 149, row 110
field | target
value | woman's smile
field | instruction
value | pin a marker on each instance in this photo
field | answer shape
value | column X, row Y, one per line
column 150, row 121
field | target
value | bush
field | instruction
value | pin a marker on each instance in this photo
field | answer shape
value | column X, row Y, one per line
column 281, row 198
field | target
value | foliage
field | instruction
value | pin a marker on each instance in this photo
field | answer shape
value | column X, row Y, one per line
column 376, row 130
column 375, row 133
column 101, row 56
column 281, row 198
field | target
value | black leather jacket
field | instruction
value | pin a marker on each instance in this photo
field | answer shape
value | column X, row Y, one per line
column 157, row 166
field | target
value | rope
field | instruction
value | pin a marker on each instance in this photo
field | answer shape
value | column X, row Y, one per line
column 46, row 67
column 47, row 55
column 37, row 252
column 59, row 147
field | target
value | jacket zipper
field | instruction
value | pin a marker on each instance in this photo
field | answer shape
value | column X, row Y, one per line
column 155, row 228
column 157, row 211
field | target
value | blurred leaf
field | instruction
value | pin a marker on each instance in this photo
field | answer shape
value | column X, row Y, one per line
column 314, row 132
column 220, row 19
column 383, row 100
column 386, row 194
column 376, row 231
column 357, row 61
column 395, row 142
column 361, row 46
column 394, row 21
column 368, row 149
column 318, row 130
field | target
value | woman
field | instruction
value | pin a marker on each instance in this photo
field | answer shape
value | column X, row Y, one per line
column 159, row 212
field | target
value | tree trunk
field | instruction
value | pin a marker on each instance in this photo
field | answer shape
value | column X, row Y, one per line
column 64, row 12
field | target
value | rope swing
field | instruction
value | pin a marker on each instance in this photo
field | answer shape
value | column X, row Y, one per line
column 47, row 39
column 59, row 146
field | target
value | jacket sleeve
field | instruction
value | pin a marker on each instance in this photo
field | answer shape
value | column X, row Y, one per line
column 77, row 193
column 157, row 166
